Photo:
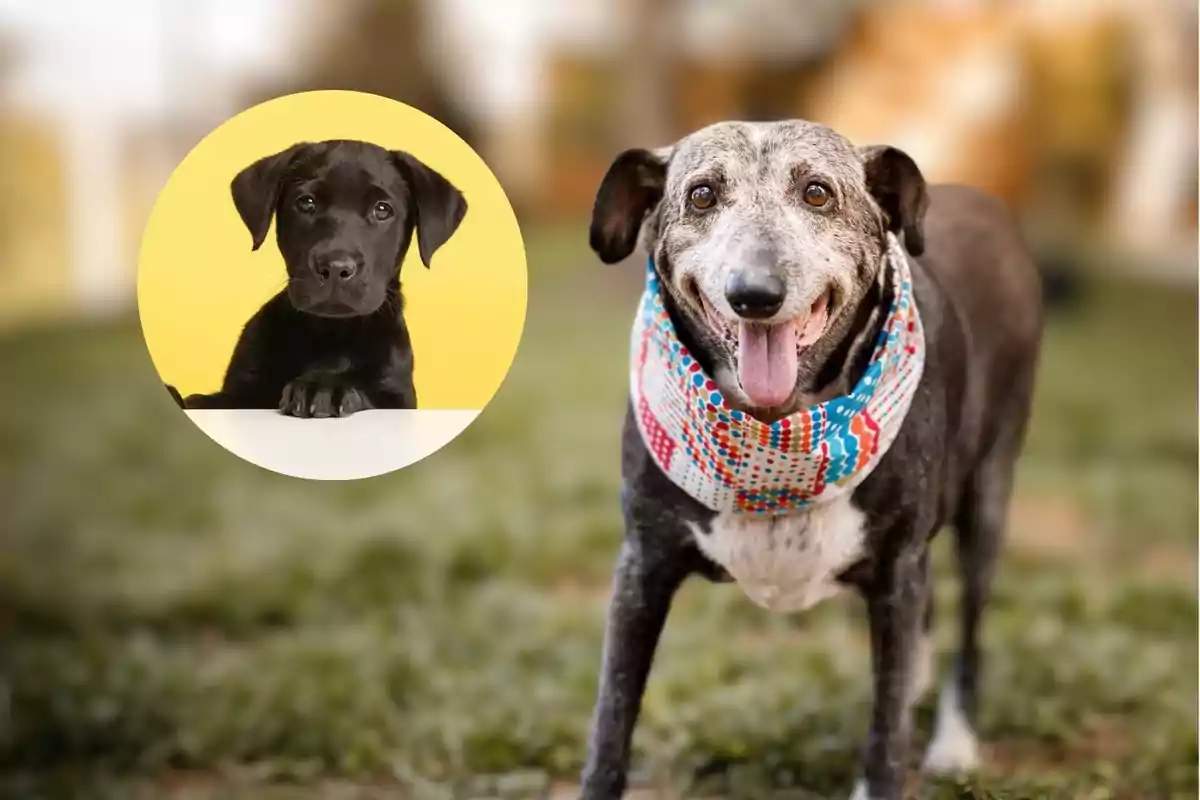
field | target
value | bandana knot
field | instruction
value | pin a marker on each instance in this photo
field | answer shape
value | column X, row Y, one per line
column 730, row 461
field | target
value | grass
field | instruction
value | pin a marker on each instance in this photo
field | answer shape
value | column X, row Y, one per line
column 177, row 623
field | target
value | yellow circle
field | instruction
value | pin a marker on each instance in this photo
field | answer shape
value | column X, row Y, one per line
column 199, row 281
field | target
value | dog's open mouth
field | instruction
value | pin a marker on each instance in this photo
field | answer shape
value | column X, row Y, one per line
column 768, row 354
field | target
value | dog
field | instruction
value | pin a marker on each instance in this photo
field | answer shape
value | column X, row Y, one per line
column 768, row 241
column 334, row 342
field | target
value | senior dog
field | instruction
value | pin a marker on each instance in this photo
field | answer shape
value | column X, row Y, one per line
column 830, row 362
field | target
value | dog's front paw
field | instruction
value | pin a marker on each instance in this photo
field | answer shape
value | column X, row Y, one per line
column 175, row 395
column 954, row 749
column 319, row 396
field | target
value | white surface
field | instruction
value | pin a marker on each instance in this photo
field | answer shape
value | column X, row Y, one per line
column 786, row 563
column 362, row 445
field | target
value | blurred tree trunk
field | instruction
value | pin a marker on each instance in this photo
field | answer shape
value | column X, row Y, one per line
column 643, row 114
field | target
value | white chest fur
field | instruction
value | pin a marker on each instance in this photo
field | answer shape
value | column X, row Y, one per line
column 787, row 563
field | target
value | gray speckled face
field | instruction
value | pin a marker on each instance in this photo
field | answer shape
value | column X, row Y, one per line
column 764, row 214
column 767, row 235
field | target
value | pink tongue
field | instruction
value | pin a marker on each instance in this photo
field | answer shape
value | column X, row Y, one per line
column 768, row 361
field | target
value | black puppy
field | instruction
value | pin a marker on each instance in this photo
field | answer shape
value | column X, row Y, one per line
column 770, row 242
column 334, row 341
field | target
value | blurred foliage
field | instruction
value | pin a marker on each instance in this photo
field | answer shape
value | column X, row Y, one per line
column 178, row 623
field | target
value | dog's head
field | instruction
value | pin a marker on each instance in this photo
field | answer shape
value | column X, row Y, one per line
column 345, row 213
column 767, row 237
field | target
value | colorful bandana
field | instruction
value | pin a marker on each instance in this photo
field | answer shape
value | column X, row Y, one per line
column 729, row 461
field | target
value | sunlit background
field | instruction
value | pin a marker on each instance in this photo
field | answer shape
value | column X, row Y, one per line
column 177, row 623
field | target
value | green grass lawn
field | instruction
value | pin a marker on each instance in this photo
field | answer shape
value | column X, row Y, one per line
column 178, row 623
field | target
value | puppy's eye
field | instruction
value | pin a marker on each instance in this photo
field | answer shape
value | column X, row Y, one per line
column 306, row 204
column 382, row 211
column 817, row 195
column 702, row 197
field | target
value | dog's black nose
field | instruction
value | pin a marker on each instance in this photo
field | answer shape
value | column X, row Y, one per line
column 755, row 294
column 338, row 267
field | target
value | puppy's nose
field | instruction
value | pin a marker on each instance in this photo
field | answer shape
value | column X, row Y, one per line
column 755, row 293
column 336, row 267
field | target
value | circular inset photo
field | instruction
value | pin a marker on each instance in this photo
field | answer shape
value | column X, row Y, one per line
column 332, row 285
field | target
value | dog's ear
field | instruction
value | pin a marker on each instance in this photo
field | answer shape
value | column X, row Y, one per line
column 896, row 183
column 256, row 191
column 439, row 207
column 632, row 187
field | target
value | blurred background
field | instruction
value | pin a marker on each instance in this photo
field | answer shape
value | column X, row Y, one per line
column 175, row 623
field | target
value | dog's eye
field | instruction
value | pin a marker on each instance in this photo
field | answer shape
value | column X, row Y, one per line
column 306, row 204
column 817, row 195
column 702, row 197
column 383, row 211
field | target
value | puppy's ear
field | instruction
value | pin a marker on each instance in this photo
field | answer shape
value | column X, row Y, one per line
column 896, row 183
column 632, row 187
column 439, row 207
column 256, row 191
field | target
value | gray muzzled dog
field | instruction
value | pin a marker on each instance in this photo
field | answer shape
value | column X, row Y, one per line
column 768, row 240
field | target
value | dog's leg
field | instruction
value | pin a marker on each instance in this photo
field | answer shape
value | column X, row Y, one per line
column 979, row 528
column 895, row 609
column 924, row 665
column 393, row 388
column 954, row 748
column 396, row 394
column 645, row 581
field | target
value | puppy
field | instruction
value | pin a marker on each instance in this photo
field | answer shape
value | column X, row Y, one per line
column 334, row 341
column 776, row 262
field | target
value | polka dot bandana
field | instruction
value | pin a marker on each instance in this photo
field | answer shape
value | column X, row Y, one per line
column 730, row 461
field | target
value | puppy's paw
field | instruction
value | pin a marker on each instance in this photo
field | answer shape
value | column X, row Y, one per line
column 178, row 398
column 318, row 397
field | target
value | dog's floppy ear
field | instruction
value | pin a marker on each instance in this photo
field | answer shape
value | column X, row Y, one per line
column 439, row 207
column 632, row 187
column 896, row 183
column 256, row 191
